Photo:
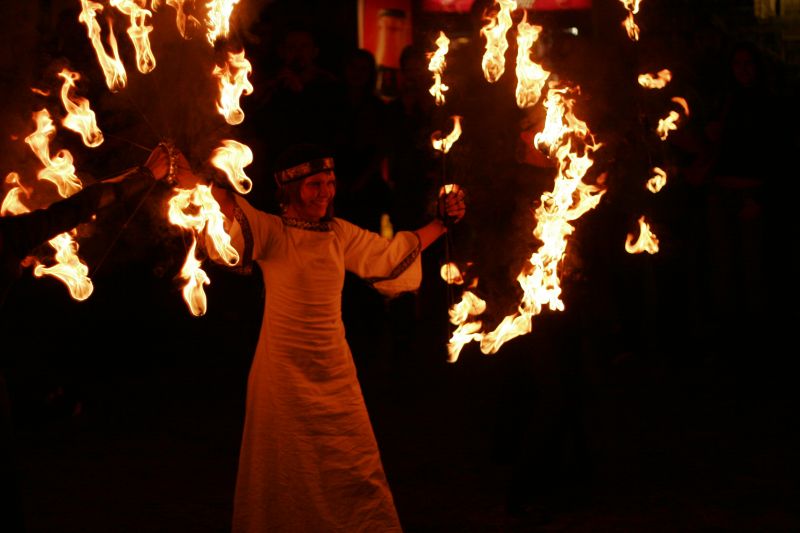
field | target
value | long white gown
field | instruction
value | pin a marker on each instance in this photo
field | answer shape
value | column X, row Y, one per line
column 309, row 460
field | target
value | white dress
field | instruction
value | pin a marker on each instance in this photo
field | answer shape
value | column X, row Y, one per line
column 309, row 461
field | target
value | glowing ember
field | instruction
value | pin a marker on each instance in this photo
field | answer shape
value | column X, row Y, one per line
column 494, row 59
column 444, row 145
column 436, row 66
column 568, row 140
column 12, row 203
column 647, row 241
column 58, row 169
column 69, row 268
column 657, row 182
column 531, row 77
column 80, row 118
column 231, row 158
column 233, row 83
column 113, row 69
column 196, row 278
column 218, row 20
column 648, row 81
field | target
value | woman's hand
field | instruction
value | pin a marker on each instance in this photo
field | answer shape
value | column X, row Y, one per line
column 451, row 203
column 168, row 163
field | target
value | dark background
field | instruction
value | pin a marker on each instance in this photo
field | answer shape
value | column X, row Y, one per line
column 636, row 409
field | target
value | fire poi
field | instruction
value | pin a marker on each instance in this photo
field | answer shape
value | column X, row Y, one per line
column 565, row 139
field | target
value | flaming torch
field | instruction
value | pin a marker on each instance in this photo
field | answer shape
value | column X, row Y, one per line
column 233, row 83
column 436, row 66
column 80, row 118
column 113, row 69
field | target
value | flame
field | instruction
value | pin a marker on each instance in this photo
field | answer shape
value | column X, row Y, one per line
column 681, row 102
column 196, row 277
column 69, row 268
column 197, row 210
column 58, row 169
column 436, row 66
column 112, row 66
column 647, row 241
column 180, row 15
column 648, row 81
column 233, row 83
column 40, row 92
column 466, row 330
column 231, row 158
column 494, row 59
column 444, row 145
column 667, row 124
column 12, row 205
column 569, row 140
column 531, row 77
column 80, row 118
column 218, row 20
column 451, row 274
column 629, row 24
column 138, row 31
column 657, row 182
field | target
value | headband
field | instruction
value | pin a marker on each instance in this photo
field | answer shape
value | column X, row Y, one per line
column 303, row 170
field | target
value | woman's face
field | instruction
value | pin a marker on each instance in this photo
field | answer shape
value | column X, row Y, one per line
column 316, row 194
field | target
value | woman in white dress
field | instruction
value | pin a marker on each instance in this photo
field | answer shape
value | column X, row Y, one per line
column 309, row 461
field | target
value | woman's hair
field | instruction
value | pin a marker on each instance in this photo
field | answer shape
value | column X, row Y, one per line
column 289, row 193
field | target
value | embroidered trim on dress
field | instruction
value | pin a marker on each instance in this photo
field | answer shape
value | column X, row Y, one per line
column 246, row 265
column 401, row 267
column 299, row 223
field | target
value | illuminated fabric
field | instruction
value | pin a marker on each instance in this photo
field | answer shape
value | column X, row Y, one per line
column 309, row 461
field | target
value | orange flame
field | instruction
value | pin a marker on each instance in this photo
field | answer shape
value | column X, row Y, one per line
column 629, row 24
column 571, row 143
column 218, row 19
column 139, row 32
column 80, row 118
column 647, row 241
column 451, row 274
column 444, row 145
column 233, row 83
column 436, row 66
column 58, row 169
column 12, row 203
column 180, row 16
column 531, row 77
column 681, row 102
column 667, row 124
column 494, row 59
column 196, row 277
column 197, row 210
column 69, row 268
column 231, row 158
column 659, row 81
column 112, row 66
column 657, row 182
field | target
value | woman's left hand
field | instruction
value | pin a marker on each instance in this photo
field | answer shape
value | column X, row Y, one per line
column 451, row 203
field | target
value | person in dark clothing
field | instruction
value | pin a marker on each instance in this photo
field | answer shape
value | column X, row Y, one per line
column 19, row 236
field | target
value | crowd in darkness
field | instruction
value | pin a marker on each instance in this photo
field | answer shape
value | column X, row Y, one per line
column 723, row 222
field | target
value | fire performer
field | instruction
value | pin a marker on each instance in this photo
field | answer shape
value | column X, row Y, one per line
column 309, row 460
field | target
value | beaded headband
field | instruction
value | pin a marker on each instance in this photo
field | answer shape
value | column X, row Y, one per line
column 303, row 170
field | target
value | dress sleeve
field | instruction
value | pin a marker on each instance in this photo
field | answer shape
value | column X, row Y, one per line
column 392, row 266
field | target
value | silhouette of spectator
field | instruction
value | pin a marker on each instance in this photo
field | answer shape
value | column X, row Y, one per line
column 743, row 161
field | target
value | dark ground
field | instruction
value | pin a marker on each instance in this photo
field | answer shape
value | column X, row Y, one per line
column 128, row 419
